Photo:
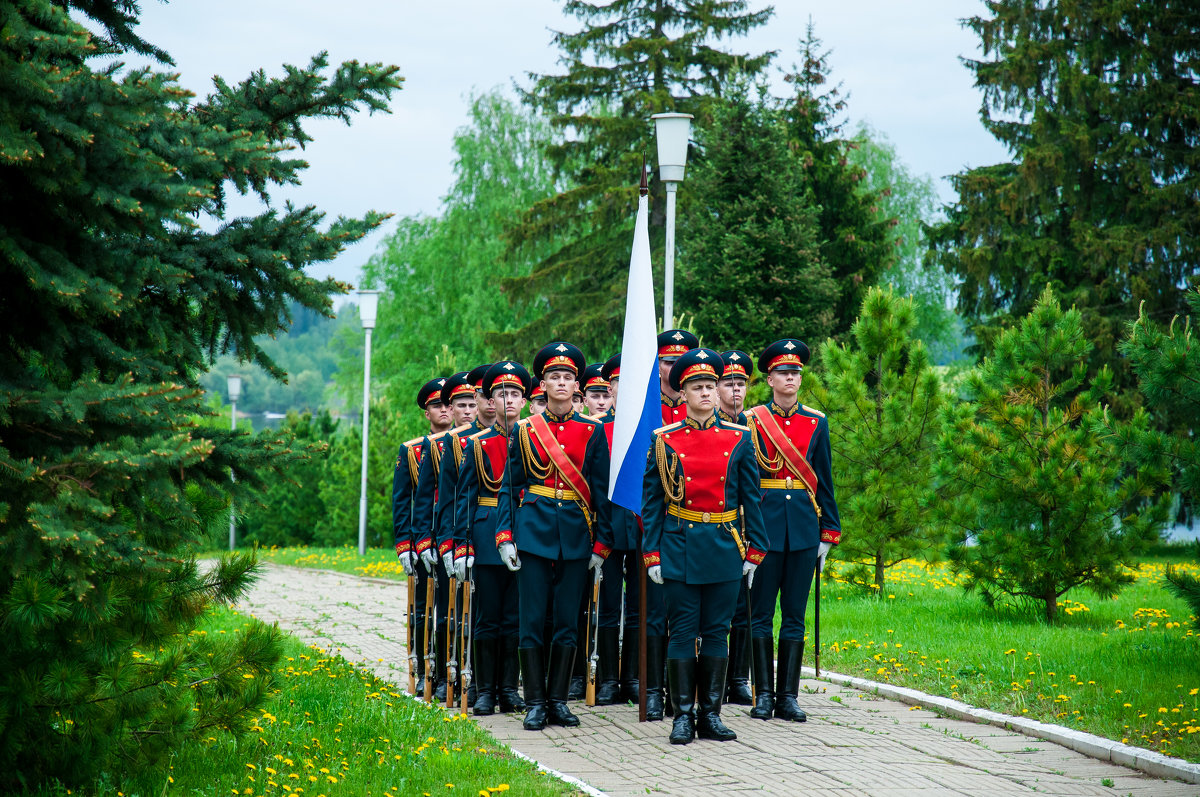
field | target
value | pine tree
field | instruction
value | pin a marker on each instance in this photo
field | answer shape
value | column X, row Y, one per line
column 1098, row 103
column 118, row 292
column 1051, row 501
column 884, row 401
column 856, row 239
column 631, row 59
column 750, row 261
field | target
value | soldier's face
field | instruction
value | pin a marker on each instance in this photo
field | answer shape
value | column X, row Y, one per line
column 612, row 390
column 438, row 414
column 559, row 385
column 538, row 406
column 785, row 383
column 463, row 409
column 511, row 400
column 598, row 401
column 664, row 369
column 731, row 390
column 700, row 395
column 487, row 407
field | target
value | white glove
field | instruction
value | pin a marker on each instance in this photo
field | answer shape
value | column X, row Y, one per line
column 430, row 559
column 508, row 554
column 470, row 561
column 748, row 569
column 596, row 562
column 654, row 573
column 460, row 568
column 448, row 563
column 408, row 560
column 822, row 552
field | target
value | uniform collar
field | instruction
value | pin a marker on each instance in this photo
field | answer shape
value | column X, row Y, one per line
column 479, row 427
column 782, row 413
column 725, row 416
column 707, row 423
column 671, row 402
column 550, row 416
column 498, row 428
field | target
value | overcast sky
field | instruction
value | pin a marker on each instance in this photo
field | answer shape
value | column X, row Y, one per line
column 899, row 62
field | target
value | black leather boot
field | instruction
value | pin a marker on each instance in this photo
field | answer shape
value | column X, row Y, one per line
column 656, row 651
column 791, row 651
column 557, row 712
column 710, row 686
column 533, row 668
column 484, row 684
column 629, row 667
column 763, row 660
column 681, row 689
column 509, row 668
column 737, row 687
column 608, row 680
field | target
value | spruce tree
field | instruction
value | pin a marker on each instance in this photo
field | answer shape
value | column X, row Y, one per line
column 884, row 402
column 1098, row 102
column 1050, row 499
column 750, row 260
column 856, row 238
column 631, row 59
column 124, row 276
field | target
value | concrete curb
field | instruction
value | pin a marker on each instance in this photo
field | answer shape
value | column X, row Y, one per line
column 1139, row 758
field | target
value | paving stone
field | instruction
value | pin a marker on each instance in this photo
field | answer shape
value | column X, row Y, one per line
column 863, row 745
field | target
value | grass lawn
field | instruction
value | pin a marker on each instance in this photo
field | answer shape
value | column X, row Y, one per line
column 335, row 730
column 378, row 563
column 1127, row 669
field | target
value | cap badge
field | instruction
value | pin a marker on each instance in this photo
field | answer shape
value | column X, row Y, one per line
column 734, row 357
column 441, row 382
column 677, row 336
column 702, row 355
column 560, row 347
column 508, row 366
column 789, row 345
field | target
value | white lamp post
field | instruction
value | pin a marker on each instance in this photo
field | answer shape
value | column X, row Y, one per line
column 233, row 383
column 368, row 305
column 672, row 131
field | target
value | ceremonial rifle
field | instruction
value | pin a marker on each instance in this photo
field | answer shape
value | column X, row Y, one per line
column 451, row 642
column 641, row 633
column 467, row 628
column 593, row 620
column 817, row 623
column 412, row 633
column 430, row 634
column 750, row 636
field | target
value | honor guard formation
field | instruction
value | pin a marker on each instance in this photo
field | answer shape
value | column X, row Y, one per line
column 528, row 588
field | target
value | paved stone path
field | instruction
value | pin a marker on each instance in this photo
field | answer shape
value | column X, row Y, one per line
column 854, row 743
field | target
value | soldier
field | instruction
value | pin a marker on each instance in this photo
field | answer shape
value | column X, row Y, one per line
column 558, row 466
column 596, row 396
column 459, row 394
column 495, row 604
column 622, row 567
column 537, row 400
column 791, row 444
column 404, row 484
column 671, row 344
column 485, row 418
column 700, row 472
column 731, row 396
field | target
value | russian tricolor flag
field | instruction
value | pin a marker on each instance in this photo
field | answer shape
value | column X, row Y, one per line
column 638, row 407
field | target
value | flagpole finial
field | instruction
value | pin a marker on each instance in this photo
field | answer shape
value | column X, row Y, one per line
column 644, row 185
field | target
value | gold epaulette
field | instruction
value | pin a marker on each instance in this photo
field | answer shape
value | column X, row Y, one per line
column 522, row 421
column 413, row 442
column 732, row 425
column 462, row 428
column 480, row 432
column 435, row 437
column 668, row 427
column 813, row 411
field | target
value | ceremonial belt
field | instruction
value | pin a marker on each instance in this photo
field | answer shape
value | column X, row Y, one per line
column 565, row 467
column 785, row 447
column 702, row 517
column 781, row 484
column 549, row 492
column 485, row 501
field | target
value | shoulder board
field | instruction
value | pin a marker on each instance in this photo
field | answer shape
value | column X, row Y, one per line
column 668, row 427
column 596, row 418
column 816, row 412
column 462, row 428
column 438, row 436
column 413, row 442
column 479, row 434
column 732, row 425
column 523, row 421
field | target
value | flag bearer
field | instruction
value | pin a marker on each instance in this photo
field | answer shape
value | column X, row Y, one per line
column 558, row 466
